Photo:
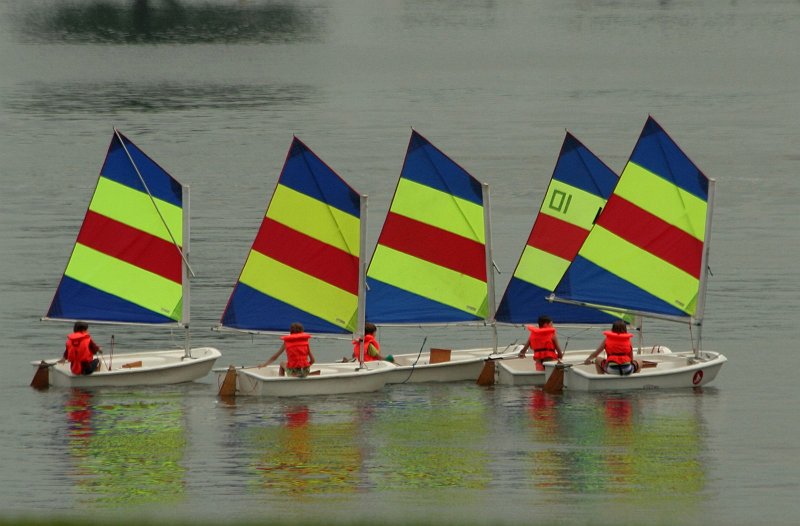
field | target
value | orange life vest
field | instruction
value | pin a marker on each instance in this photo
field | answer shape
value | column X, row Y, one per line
column 618, row 347
column 541, row 342
column 368, row 340
column 297, row 350
column 78, row 351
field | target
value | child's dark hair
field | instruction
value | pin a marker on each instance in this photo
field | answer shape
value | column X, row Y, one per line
column 80, row 326
column 544, row 320
column 370, row 328
column 619, row 327
column 296, row 328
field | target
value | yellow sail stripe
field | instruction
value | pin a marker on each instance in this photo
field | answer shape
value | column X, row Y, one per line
column 135, row 209
column 430, row 281
column 571, row 204
column 648, row 272
column 663, row 199
column 300, row 290
column 439, row 209
column 315, row 219
column 126, row 281
column 541, row 268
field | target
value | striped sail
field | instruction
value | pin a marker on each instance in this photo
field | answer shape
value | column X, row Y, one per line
column 646, row 251
column 304, row 263
column 579, row 187
column 126, row 265
column 429, row 265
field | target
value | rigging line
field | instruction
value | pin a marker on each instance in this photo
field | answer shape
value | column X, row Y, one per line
column 414, row 365
column 155, row 205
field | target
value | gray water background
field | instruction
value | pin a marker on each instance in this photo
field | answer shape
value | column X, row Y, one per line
column 214, row 91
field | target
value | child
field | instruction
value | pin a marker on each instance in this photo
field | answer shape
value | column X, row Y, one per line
column 544, row 342
column 372, row 349
column 299, row 358
column 80, row 350
column 619, row 352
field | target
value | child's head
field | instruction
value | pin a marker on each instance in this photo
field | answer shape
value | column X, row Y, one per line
column 370, row 328
column 619, row 326
column 296, row 328
column 544, row 321
column 80, row 326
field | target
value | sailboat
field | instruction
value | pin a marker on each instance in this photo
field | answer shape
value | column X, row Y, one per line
column 432, row 263
column 578, row 189
column 305, row 265
column 129, row 266
column 647, row 255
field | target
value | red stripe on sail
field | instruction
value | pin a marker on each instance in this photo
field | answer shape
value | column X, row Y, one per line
column 653, row 234
column 131, row 245
column 308, row 255
column 557, row 237
column 434, row 245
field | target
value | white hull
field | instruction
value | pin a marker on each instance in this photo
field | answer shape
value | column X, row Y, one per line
column 157, row 368
column 464, row 364
column 333, row 378
column 672, row 371
column 522, row 371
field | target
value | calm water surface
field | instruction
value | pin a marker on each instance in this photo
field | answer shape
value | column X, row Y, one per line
column 214, row 91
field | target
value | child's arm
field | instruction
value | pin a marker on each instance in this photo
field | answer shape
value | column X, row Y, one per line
column 274, row 356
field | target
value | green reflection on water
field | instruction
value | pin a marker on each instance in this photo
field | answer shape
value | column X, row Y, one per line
column 126, row 450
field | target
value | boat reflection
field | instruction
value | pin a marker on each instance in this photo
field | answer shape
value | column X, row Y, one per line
column 169, row 21
column 125, row 448
column 306, row 452
column 635, row 445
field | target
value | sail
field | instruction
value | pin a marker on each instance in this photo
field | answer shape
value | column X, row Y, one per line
column 579, row 187
column 646, row 251
column 429, row 265
column 304, row 263
column 126, row 265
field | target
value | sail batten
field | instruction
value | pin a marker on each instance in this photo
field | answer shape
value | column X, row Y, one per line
column 125, row 266
column 646, row 251
column 578, row 189
column 430, row 263
column 303, row 265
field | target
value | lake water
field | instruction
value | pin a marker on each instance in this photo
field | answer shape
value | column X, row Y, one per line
column 214, row 91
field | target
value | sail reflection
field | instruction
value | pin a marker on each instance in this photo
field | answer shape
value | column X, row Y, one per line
column 635, row 445
column 304, row 455
column 48, row 99
column 125, row 448
column 169, row 21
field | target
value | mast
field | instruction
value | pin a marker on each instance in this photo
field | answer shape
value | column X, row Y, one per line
column 185, row 273
column 487, row 225
column 697, row 319
column 362, row 277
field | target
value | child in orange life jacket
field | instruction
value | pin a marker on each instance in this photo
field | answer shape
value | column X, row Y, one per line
column 619, row 352
column 299, row 357
column 544, row 342
column 80, row 350
column 372, row 349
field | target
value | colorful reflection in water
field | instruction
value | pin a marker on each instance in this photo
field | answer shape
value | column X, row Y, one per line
column 300, row 454
column 125, row 448
column 631, row 445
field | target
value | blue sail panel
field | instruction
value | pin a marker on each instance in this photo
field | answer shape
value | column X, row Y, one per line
column 389, row 304
column 658, row 153
column 579, row 167
column 585, row 281
column 247, row 307
column 426, row 164
column 78, row 301
column 525, row 302
column 118, row 167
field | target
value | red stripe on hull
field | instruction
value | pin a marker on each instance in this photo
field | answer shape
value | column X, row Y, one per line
column 650, row 233
column 557, row 237
column 131, row 245
column 434, row 245
column 308, row 255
